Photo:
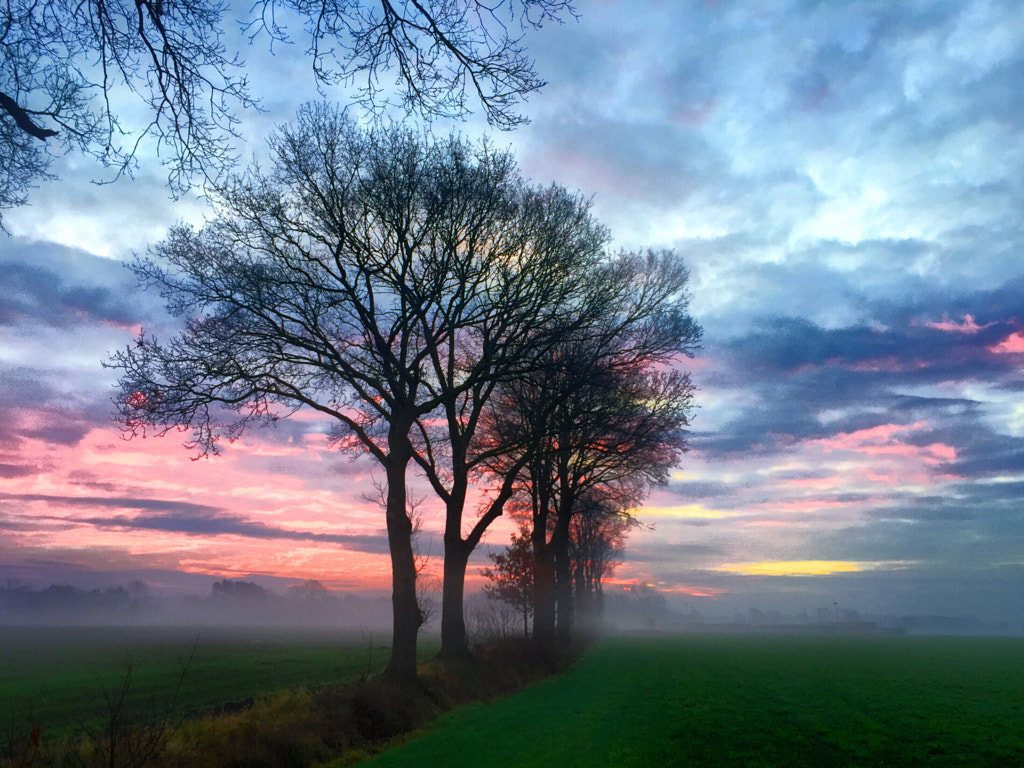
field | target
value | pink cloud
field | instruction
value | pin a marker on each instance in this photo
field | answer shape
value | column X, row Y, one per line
column 871, row 435
column 887, row 440
column 934, row 453
column 135, row 329
column 1011, row 345
column 691, row 591
column 968, row 326
column 273, row 486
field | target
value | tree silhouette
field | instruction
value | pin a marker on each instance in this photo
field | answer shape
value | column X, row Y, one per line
column 604, row 419
column 597, row 535
column 348, row 279
column 560, row 286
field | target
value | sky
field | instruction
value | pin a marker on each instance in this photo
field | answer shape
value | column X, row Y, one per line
column 845, row 182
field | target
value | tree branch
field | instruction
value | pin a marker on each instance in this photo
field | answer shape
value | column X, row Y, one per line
column 22, row 119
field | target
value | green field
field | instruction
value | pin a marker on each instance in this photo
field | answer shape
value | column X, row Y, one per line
column 56, row 676
column 697, row 700
column 752, row 701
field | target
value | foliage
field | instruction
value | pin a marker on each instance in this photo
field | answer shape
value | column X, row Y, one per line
column 132, row 736
column 74, row 72
column 243, row 591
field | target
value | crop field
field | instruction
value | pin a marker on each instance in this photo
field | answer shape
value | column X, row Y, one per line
column 59, row 677
column 752, row 701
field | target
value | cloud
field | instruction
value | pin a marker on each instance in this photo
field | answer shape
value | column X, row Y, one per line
column 230, row 525
column 9, row 471
column 64, row 288
column 159, row 505
column 967, row 325
column 188, row 518
column 700, row 489
column 845, row 181
column 855, row 377
column 1011, row 345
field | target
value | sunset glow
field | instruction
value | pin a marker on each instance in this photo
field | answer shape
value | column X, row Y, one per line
column 799, row 568
column 845, row 184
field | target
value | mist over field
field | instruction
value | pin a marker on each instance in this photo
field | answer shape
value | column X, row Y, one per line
column 228, row 603
column 635, row 608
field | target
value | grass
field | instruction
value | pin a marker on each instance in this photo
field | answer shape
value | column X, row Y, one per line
column 339, row 717
column 752, row 701
column 681, row 701
column 56, row 676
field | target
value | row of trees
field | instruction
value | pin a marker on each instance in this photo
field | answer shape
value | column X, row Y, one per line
column 446, row 315
column 601, row 420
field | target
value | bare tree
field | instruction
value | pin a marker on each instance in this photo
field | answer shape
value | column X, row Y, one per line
column 133, row 735
column 607, row 417
column 623, row 441
column 597, row 536
column 66, row 68
column 337, row 282
column 528, row 305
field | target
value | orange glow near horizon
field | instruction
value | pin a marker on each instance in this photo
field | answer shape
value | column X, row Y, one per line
column 626, row 585
column 107, row 504
column 802, row 567
column 683, row 511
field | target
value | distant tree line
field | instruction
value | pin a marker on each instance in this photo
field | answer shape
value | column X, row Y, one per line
column 235, row 601
column 447, row 316
column 61, row 600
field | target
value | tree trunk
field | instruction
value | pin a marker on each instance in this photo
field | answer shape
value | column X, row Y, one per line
column 543, row 592
column 563, row 566
column 456, row 555
column 404, row 608
column 563, row 596
column 544, row 567
column 581, row 597
column 453, row 621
